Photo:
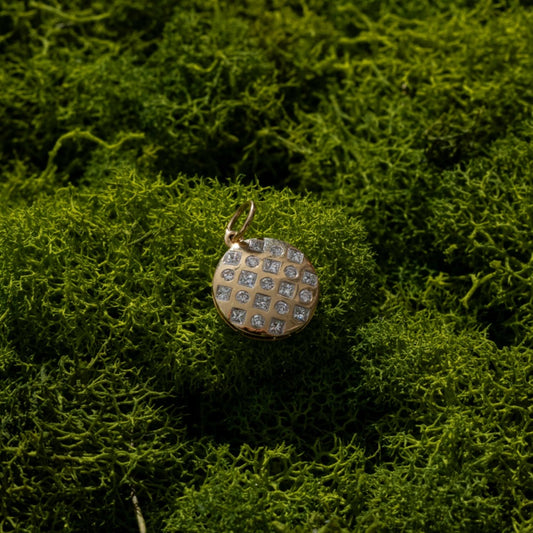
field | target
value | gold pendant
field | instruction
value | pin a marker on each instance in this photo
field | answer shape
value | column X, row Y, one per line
column 265, row 288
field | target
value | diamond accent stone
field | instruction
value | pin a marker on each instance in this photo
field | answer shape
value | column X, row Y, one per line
column 286, row 288
column 271, row 265
column 223, row 293
column 291, row 272
column 232, row 257
column 247, row 278
column 252, row 261
column 295, row 255
column 228, row 274
column 256, row 245
column 276, row 327
column 242, row 297
column 306, row 296
column 262, row 301
column 257, row 321
column 276, row 250
column 267, row 284
column 300, row 313
column 237, row 316
column 281, row 307
column 310, row 278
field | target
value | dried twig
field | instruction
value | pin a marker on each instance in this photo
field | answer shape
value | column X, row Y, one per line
column 138, row 513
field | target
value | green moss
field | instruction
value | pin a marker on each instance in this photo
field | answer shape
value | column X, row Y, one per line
column 482, row 220
column 134, row 256
column 405, row 405
column 454, row 427
column 105, row 296
column 270, row 490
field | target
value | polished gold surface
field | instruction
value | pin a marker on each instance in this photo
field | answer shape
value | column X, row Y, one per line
column 265, row 288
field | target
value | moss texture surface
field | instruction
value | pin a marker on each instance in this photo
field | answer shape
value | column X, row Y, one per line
column 391, row 141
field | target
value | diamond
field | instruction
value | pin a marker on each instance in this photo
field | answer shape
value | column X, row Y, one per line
column 290, row 272
column 276, row 250
column 232, row 257
column 295, row 255
column 257, row 321
column 256, row 245
column 281, row 307
column 310, row 278
column 237, row 316
column 286, row 288
column 252, row 261
column 262, row 301
column 267, row 284
column 247, row 278
column 301, row 313
column 276, row 326
column 223, row 293
column 306, row 296
column 228, row 274
column 242, row 297
column 271, row 265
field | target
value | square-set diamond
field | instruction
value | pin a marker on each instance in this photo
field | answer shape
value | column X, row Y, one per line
column 295, row 255
column 310, row 278
column 232, row 257
column 256, row 245
column 276, row 327
column 286, row 288
column 277, row 250
column 262, row 301
column 237, row 316
column 223, row 293
column 247, row 278
column 300, row 313
column 271, row 265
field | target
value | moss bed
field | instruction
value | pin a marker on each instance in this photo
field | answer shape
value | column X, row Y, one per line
column 391, row 141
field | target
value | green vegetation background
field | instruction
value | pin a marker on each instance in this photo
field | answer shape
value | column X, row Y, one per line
column 389, row 140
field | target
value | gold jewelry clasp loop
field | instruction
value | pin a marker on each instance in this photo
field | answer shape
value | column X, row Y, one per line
column 233, row 236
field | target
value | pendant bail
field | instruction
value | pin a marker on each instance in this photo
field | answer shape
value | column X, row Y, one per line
column 231, row 237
